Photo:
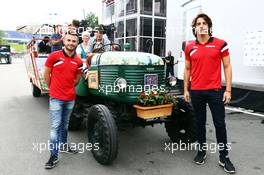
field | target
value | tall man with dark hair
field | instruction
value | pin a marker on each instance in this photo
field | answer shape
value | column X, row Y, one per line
column 63, row 69
column 203, row 58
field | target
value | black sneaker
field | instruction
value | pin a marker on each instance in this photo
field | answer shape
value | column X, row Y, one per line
column 67, row 149
column 200, row 157
column 227, row 165
column 53, row 160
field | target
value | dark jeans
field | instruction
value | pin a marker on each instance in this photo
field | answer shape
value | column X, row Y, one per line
column 214, row 98
column 169, row 69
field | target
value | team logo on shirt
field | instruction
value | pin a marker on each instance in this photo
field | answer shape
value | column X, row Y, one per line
column 210, row 46
column 73, row 62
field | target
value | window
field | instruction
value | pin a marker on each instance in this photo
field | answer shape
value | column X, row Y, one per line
column 145, row 26
column 146, row 7
column 120, row 29
column 108, row 11
column 131, row 7
column 121, row 43
column 131, row 27
column 159, row 47
column 145, row 45
column 160, row 8
column 133, row 43
column 159, row 29
column 188, row 16
column 119, row 8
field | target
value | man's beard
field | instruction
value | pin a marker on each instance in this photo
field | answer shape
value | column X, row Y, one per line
column 71, row 49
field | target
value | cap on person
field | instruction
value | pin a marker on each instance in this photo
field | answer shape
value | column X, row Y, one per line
column 99, row 29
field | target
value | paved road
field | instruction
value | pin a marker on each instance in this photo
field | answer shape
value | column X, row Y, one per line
column 24, row 122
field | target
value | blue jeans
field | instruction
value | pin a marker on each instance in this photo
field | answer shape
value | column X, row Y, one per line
column 59, row 112
column 214, row 98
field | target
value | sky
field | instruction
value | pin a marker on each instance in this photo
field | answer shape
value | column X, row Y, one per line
column 22, row 12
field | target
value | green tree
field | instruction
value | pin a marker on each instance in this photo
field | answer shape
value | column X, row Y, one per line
column 90, row 21
column 2, row 34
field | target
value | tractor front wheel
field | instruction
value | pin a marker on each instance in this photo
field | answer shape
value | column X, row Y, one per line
column 102, row 131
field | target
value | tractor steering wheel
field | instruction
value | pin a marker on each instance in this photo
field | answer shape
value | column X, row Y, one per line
column 116, row 46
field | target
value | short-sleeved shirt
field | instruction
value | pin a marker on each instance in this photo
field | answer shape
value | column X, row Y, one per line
column 64, row 70
column 206, row 63
column 56, row 47
column 170, row 59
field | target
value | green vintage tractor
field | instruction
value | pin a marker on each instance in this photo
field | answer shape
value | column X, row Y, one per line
column 106, row 96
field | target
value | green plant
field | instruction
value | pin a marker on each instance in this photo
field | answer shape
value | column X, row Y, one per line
column 2, row 34
column 155, row 98
column 91, row 20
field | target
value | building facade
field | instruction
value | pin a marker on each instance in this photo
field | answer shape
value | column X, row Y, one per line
column 167, row 23
column 141, row 23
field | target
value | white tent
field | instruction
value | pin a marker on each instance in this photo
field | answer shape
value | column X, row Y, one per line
column 43, row 26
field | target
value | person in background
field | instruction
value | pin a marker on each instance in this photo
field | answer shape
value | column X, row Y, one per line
column 44, row 45
column 76, row 25
column 82, row 48
column 63, row 71
column 97, row 42
column 203, row 59
column 56, row 39
column 169, row 61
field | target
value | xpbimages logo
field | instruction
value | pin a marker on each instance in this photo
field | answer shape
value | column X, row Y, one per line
column 80, row 147
column 181, row 146
column 113, row 88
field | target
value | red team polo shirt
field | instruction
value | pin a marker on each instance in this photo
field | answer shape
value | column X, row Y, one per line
column 63, row 72
column 206, row 63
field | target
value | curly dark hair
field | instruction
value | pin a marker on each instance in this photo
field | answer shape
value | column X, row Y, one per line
column 207, row 20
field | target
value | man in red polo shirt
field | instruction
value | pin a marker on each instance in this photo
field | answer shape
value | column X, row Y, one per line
column 63, row 69
column 203, row 58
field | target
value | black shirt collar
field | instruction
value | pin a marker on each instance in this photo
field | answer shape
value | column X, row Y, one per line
column 66, row 55
column 209, row 40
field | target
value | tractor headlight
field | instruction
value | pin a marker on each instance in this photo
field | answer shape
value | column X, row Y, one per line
column 121, row 83
column 172, row 81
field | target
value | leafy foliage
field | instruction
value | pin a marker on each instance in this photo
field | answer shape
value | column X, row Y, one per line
column 156, row 98
column 90, row 21
column 2, row 34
